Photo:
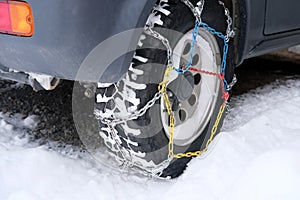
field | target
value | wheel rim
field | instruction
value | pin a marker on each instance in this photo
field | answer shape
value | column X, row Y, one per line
column 193, row 114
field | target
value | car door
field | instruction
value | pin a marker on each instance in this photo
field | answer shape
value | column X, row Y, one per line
column 282, row 16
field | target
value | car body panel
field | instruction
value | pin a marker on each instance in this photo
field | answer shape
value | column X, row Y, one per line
column 66, row 31
column 282, row 16
column 251, row 39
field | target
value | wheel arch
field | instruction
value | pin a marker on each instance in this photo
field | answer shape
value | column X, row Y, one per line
column 239, row 11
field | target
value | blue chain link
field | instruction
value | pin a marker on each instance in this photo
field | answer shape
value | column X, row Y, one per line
column 192, row 50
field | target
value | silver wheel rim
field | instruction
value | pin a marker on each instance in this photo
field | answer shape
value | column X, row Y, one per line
column 194, row 114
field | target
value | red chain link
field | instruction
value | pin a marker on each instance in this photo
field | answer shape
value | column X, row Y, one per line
column 221, row 77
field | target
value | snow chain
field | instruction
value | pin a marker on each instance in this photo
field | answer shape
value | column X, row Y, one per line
column 162, row 88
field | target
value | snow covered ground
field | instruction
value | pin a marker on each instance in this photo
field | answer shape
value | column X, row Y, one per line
column 257, row 156
column 295, row 49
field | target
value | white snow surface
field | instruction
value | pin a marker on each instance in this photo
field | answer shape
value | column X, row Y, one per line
column 295, row 49
column 257, row 156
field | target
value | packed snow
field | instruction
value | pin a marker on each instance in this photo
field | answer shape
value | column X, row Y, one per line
column 257, row 156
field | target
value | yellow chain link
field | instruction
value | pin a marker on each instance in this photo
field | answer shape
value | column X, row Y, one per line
column 163, row 89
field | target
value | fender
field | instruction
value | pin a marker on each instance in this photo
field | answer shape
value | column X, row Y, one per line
column 66, row 31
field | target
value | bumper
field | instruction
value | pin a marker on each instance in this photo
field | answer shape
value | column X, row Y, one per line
column 66, row 32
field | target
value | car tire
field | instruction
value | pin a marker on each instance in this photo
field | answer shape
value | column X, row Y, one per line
column 146, row 139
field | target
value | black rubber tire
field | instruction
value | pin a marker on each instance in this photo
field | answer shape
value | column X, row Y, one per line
column 155, row 147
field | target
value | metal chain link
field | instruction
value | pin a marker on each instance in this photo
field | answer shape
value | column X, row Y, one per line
column 196, row 10
column 148, row 30
column 130, row 117
column 112, row 122
column 229, row 32
column 128, row 163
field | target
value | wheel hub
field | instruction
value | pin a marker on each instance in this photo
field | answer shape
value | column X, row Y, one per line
column 193, row 95
column 182, row 87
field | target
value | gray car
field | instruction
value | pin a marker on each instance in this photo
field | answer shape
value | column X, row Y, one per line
column 161, row 70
